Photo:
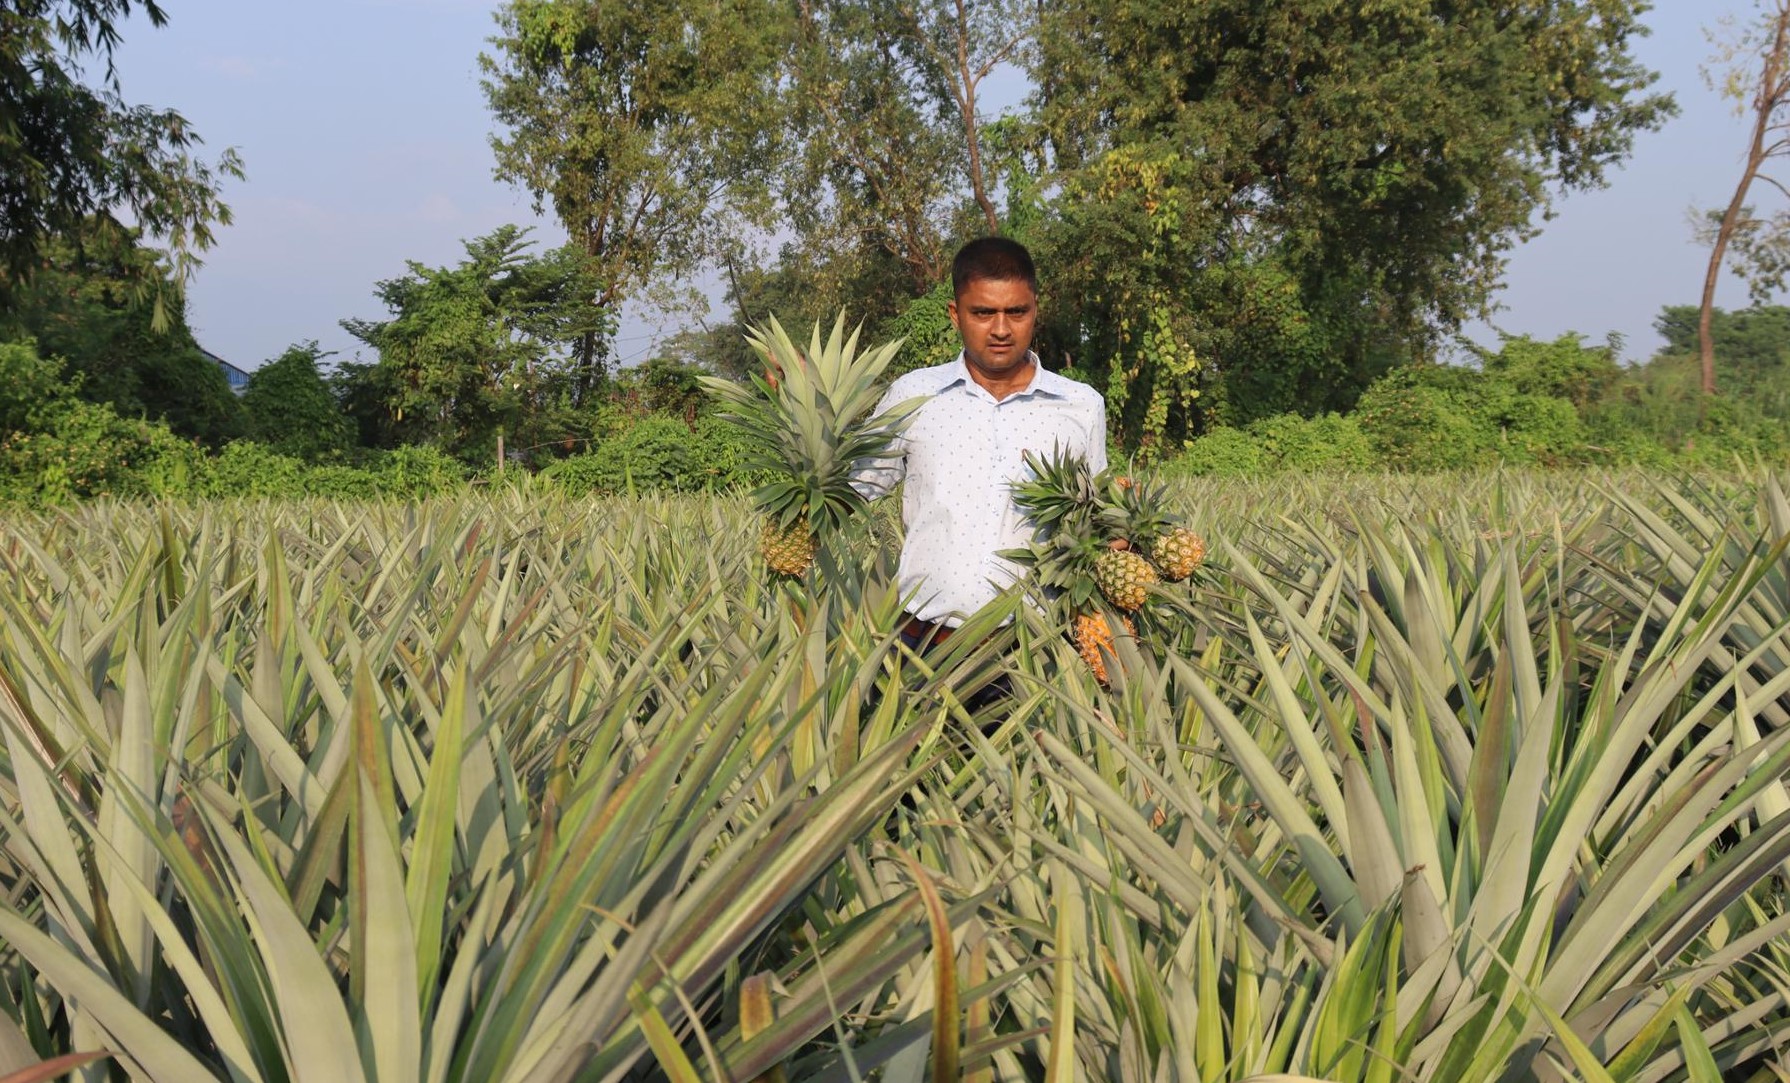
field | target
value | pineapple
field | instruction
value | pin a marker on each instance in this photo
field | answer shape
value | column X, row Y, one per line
column 1125, row 578
column 1071, row 559
column 808, row 421
column 789, row 550
column 1177, row 552
column 1093, row 634
column 1135, row 510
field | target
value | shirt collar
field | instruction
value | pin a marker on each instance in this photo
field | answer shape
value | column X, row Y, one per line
column 1044, row 381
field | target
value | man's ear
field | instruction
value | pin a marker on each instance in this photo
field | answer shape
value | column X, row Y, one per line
column 951, row 311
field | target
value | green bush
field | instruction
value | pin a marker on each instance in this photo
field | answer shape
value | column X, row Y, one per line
column 1530, row 428
column 417, row 470
column 1329, row 444
column 1427, row 419
column 655, row 454
column 245, row 468
column 576, row 475
column 927, row 333
column 340, row 482
column 1222, row 452
column 720, row 450
column 1564, row 369
column 29, row 384
column 1613, row 441
column 84, row 449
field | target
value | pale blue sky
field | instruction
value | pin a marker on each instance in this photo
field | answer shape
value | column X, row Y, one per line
column 365, row 136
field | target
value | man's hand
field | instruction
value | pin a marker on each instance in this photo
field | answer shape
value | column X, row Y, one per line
column 1121, row 544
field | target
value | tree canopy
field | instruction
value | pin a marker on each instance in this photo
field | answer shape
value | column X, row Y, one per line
column 76, row 153
column 1316, row 191
column 83, row 306
column 290, row 408
column 474, row 349
column 637, row 124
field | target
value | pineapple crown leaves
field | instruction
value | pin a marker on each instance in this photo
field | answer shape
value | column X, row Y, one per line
column 1063, row 498
column 1136, row 507
column 809, row 419
column 1060, row 493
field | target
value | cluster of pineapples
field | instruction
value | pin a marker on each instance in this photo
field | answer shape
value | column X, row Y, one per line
column 1078, row 514
column 808, row 419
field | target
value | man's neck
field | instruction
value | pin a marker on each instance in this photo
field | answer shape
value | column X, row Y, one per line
column 1006, row 384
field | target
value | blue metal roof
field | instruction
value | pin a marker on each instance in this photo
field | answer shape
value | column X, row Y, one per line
column 238, row 378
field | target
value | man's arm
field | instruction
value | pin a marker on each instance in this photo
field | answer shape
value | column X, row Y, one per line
column 877, row 478
column 1095, row 453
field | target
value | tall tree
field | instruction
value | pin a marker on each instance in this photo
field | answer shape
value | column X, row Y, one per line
column 1756, row 76
column 1296, row 195
column 876, row 172
column 290, row 407
column 72, row 155
column 888, row 117
column 965, row 41
column 471, row 351
column 1753, row 343
column 638, row 123
column 82, row 304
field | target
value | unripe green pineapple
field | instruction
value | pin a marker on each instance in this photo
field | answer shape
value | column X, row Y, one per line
column 807, row 422
column 1125, row 578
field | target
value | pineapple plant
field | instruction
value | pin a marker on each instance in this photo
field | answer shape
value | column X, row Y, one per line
column 807, row 421
column 1072, row 561
column 1136, row 509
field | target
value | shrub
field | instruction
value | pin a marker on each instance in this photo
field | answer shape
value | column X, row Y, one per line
column 577, row 475
column 339, row 482
column 83, row 449
column 1565, row 368
column 417, row 470
column 925, row 328
column 246, row 468
column 1222, row 452
column 720, row 452
column 29, row 383
column 1328, row 444
column 655, row 454
column 1615, row 441
column 1424, row 419
column 1530, row 428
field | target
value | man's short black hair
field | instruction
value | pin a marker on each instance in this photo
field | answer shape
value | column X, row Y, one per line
column 998, row 258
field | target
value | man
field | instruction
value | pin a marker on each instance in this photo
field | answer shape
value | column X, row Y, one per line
column 964, row 448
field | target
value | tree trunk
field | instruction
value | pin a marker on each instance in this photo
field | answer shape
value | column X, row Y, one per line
column 1766, row 100
column 968, row 104
column 1706, row 313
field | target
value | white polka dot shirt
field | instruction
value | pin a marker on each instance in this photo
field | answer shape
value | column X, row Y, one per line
column 960, row 455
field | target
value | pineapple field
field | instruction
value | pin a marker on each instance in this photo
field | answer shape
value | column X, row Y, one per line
column 1453, row 779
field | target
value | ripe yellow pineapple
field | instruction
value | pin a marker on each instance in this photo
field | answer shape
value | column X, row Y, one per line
column 1177, row 552
column 1093, row 634
column 789, row 550
column 806, row 422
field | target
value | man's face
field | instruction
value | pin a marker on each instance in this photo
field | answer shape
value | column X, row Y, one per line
column 995, row 318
